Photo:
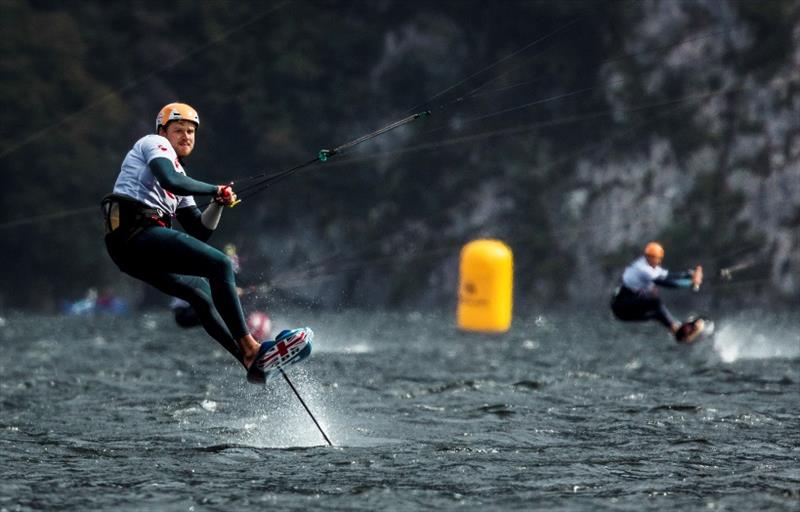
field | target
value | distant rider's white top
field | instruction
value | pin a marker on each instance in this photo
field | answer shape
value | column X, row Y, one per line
column 136, row 181
column 639, row 275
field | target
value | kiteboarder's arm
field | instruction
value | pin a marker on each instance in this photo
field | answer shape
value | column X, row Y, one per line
column 685, row 279
column 197, row 224
column 177, row 183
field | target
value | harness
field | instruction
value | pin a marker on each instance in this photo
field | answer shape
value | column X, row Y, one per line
column 125, row 217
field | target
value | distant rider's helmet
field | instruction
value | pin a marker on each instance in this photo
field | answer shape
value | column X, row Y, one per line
column 654, row 250
column 176, row 112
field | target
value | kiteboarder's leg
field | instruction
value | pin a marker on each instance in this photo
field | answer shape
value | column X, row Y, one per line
column 632, row 308
column 620, row 308
column 174, row 252
column 196, row 292
column 663, row 315
column 629, row 307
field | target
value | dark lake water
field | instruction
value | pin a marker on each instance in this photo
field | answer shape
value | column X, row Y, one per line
column 568, row 411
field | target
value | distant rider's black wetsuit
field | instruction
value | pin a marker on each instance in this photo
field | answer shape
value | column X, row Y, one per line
column 637, row 297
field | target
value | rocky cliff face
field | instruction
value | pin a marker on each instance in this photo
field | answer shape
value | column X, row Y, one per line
column 730, row 172
column 690, row 135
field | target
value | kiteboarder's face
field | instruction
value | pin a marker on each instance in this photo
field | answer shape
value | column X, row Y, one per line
column 653, row 261
column 181, row 135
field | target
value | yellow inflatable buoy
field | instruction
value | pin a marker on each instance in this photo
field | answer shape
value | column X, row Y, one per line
column 485, row 286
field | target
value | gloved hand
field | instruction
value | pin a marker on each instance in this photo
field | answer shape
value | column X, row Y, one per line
column 697, row 277
column 225, row 196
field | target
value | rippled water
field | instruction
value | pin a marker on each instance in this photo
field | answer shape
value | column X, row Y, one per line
column 568, row 411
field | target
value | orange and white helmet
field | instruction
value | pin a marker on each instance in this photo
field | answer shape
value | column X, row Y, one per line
column 176, row 112
column 654, row 249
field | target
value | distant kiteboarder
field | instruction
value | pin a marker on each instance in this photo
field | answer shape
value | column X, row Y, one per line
column 151, row 189
column 93, row 303
column 637, row 298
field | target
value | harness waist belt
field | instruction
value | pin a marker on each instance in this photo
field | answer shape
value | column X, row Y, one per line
column 126, row 214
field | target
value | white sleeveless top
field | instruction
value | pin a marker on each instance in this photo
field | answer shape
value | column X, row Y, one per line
column 136, row 181
column 639, row 275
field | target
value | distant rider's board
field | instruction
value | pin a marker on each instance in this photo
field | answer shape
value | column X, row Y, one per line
column 695, row 329
column 289, row 347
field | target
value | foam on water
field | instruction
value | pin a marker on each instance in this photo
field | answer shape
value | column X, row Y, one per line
column 277, row 418
column 741, row 339
column 282, row 422
column 354, row 347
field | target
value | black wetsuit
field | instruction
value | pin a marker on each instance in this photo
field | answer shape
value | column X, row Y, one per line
column 179, row 264
column 636, row 305
column 632, row 306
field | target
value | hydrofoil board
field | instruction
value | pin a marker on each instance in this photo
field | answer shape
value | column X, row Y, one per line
column 290, row 347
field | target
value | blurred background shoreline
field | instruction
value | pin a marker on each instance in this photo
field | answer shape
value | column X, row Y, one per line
column 574, row 131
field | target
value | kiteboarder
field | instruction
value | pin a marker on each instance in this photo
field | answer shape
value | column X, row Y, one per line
column 637, row 297
column 151, row 189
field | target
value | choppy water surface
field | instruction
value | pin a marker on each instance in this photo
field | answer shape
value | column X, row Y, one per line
column 568, row 411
